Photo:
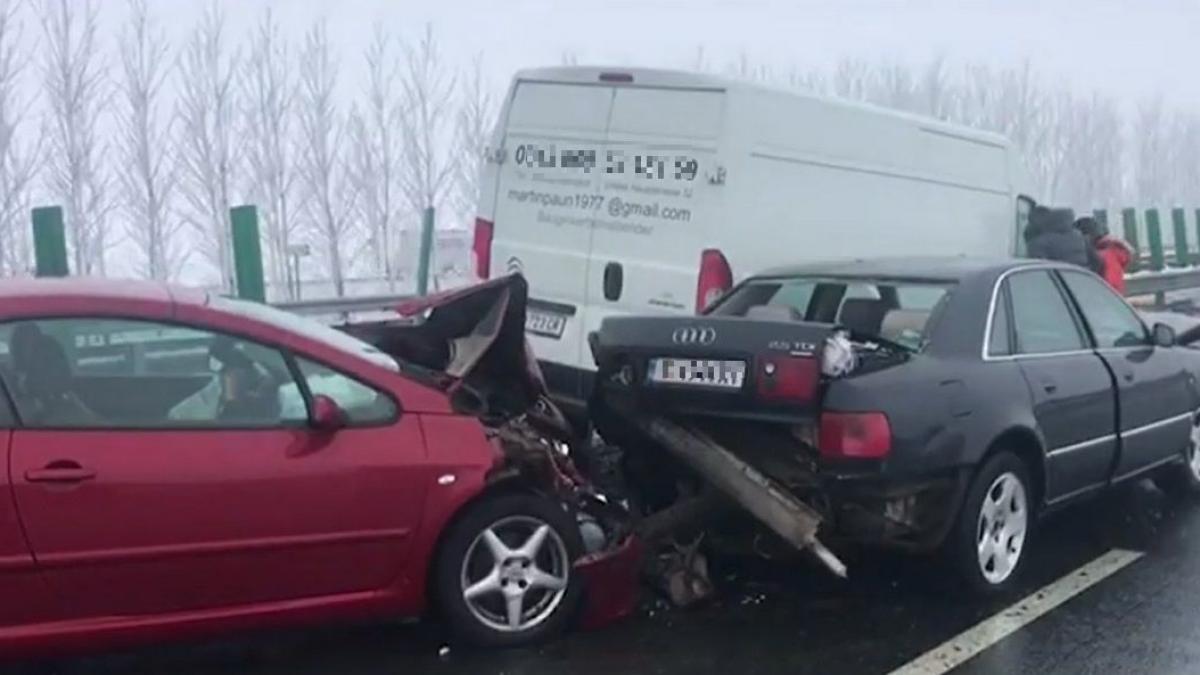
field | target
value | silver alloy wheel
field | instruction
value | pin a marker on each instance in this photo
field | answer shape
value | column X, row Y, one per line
column 1194, row 450
column 515, row 574
column 1003, row 522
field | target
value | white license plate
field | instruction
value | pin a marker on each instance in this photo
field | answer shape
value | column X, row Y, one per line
column 547, row 324
column 698, row 372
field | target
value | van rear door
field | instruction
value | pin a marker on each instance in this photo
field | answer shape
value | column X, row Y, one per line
column 660, row 189
column 548, row 191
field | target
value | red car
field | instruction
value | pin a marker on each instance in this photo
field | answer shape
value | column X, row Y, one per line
column 177, row 463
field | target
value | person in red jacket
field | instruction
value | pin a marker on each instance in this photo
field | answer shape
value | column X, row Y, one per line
column 1114, row 254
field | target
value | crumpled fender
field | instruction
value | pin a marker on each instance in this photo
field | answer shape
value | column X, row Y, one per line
column 610, row 583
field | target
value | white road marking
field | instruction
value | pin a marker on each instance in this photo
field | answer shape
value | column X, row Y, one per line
column 960, row 648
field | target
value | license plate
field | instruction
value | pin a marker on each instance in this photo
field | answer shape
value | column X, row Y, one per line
column 547, row 324
column 698, row 372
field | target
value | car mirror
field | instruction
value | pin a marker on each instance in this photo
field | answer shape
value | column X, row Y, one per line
column 327, row 415
column 1164, row 335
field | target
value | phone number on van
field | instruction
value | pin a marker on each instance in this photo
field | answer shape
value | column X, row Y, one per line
column 659, row 167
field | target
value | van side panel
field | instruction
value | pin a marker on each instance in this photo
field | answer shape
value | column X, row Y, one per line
column 820, row 181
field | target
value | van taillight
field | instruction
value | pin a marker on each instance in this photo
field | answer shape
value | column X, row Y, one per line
column 481, row 247
column 861, row 435
column 793, row 379
column 715, row 278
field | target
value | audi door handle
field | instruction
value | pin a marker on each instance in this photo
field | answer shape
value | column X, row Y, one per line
column 63, row 474
column 1049, row 386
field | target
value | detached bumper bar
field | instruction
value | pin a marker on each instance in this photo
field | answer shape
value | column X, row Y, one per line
column 786, row 515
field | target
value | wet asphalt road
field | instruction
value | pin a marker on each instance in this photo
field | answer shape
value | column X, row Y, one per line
column 786, row 619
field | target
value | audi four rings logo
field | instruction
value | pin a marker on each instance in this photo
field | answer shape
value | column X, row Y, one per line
column 694, row 335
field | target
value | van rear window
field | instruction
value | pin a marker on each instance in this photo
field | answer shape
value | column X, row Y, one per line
column 896, row 310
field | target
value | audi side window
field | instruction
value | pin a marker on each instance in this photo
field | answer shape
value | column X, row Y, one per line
column 1113, row 323
column 999, row 343
column 1042, row 318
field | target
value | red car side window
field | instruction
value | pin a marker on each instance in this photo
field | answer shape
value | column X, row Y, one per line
column 127, row 374
column 363, row 405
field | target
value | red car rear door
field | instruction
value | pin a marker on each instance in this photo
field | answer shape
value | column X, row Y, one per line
column 143, row 508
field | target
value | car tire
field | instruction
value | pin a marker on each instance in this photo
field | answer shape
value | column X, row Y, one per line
column 504, row 575
column 1182, row 479
column 990, row 540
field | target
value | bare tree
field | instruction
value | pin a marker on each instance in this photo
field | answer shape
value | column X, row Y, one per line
column 377, row 141
column 329, row 193
column 476, row 115
column 268, row 116
column 73, row 75
column 852, row 79
column 146, row 173
column 893, row 86
column 1182, row 159
column 743, row 68
column 18, row 147
column 208, row 156
column 427, row 170
column 1151, row 177
column 1094, row 141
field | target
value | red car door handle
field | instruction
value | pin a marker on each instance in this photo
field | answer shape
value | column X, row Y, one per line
column 60, row 474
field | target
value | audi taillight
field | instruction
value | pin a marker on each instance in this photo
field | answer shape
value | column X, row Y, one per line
column 481, row 247
column 715, row 278
column 793, row 379
column 858, row 435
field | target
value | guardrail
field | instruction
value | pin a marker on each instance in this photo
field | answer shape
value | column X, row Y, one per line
column 1145, row 283
column 342, row 307
column 1158, row 283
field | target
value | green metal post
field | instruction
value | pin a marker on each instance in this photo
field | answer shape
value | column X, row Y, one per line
column 1179, row 224
column 426, row 251
column 50, row 242
column 247, row 253
column 1154, row 240
column 1196, row 259
column 1129, row 227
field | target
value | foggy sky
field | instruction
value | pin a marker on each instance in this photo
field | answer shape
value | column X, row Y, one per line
column 1135, row 48
column 1131, row 50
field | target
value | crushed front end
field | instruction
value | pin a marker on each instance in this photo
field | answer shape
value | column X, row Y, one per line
column 471, row 344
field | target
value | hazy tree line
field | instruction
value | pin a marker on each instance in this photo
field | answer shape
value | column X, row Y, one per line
column 147, row 142
column 146, row 145
column 1084, row 149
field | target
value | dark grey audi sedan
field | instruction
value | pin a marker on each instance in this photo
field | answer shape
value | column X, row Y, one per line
column 926, row 404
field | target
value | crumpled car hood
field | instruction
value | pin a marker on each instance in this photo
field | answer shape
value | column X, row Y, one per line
column 472, row 338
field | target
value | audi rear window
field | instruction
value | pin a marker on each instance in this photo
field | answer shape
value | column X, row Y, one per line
column 896, row 310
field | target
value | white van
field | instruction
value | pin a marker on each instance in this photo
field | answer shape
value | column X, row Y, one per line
column 619, row 191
